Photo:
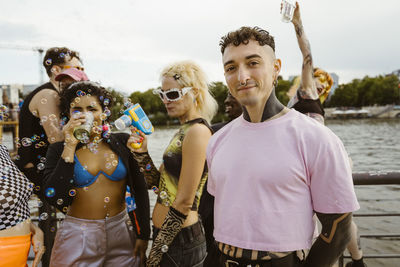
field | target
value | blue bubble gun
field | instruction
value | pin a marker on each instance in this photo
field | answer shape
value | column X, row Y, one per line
column 136, row 117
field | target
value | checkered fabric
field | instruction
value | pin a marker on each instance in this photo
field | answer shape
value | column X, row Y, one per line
column 15, row 191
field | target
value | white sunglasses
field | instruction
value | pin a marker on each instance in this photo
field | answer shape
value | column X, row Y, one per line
column 173, row 94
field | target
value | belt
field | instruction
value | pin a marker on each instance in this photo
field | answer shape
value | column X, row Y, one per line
column 290, row 260
column 187, row 234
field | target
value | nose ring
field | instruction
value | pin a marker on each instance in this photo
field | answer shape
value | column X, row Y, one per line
column 243, row 84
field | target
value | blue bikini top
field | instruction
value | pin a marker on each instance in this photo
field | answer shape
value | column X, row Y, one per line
column 84, row 178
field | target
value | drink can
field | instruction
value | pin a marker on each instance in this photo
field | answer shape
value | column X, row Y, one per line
column 82, row 132
column 287, row 11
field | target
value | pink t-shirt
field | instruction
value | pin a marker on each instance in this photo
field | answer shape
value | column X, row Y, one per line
column 268, row 178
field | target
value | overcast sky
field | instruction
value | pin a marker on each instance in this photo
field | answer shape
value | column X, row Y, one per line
column 125, row 43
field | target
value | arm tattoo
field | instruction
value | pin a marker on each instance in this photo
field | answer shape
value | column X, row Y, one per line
column 299, row 30
column 307, row 61
column 332, row 241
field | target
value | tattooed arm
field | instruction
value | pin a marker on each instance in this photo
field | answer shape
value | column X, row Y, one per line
column 332, row 241
column 307, row 86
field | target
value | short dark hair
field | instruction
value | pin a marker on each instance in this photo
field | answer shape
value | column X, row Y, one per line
column 244, row 35
column 57, row 56
column 77, row 89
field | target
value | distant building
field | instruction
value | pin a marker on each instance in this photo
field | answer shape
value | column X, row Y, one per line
column 396, row 72
column 27, row 88
column 11, row 92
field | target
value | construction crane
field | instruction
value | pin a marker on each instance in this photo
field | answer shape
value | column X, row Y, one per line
column 38, row 49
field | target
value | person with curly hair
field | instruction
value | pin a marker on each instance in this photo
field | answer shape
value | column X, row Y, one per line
column 87, row 181
column 39, row 126
column 273, row 168
column 178, row 234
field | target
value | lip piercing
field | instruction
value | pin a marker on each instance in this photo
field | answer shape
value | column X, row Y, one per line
column 243, row 84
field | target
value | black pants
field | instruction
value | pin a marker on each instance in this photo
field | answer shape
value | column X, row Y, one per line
column 51, row 222
column 290, row 260
column 188, row 249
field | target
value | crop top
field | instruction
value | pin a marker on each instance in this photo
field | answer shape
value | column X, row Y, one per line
column 84, row 178
column 165, row 181
column 304, row 105
column 58, row 175
column 15, row 191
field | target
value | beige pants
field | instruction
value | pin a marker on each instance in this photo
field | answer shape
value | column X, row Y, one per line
column 106, row 242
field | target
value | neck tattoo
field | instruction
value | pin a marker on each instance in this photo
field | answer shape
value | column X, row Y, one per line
column 272, row 108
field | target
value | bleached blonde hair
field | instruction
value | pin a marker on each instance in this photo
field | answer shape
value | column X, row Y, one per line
column 189, row 74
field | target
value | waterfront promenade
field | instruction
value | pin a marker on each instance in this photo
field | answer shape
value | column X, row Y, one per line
column 373, row 145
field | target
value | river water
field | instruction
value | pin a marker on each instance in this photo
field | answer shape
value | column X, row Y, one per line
column 373, row 145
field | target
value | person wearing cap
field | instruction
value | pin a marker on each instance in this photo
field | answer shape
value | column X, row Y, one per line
column 69, row 76
column 39, row 115
column 39, row 126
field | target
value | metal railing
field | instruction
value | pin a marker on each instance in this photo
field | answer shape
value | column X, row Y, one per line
column 370, row 178
column 376, row 178
column 9, row 123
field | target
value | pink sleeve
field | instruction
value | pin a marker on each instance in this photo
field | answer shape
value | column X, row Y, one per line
column 211, row 182
column 331, row 182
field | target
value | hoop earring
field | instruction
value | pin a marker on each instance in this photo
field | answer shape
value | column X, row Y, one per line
column 275, row 83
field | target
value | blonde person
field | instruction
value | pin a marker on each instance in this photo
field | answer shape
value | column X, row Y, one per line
column 312, row 89
column 178, row 233
column 17, row 232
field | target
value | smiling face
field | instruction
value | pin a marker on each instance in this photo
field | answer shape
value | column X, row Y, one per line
column 250, row 70
column 321, row 84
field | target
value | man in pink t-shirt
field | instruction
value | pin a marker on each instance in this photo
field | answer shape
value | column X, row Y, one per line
column 272, row 168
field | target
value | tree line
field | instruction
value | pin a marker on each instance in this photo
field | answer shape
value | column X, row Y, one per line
column 369, row 91
column 380, row 90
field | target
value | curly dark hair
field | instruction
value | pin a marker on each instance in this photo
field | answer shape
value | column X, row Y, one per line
column 76, row 89
column 57, row 56
column 244, row 35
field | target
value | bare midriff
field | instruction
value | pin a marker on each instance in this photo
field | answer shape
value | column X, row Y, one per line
column 104, row 198
column 23, row 228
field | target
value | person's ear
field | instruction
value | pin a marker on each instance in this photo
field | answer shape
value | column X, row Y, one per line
column 277, row 67
column 55, row 70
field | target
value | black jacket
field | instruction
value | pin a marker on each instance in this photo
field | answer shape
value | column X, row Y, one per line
column 58, row 175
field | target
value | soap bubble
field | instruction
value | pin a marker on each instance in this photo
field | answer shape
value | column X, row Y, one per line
column 44, row 216
column 72, row 192
column 50, row 192
column 40, row 166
